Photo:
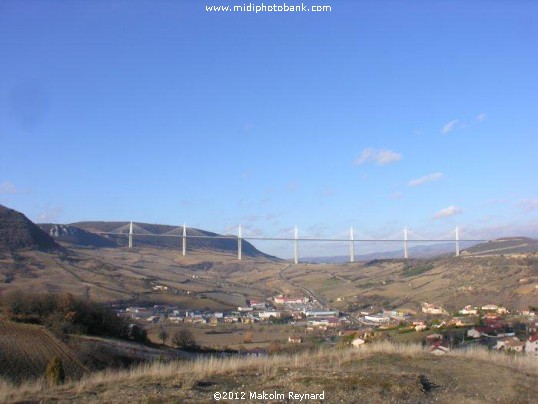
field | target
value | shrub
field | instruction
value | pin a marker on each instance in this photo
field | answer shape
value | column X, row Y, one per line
column 65, row 313
column 55, row 373
column 417, row 269
column 184, row 339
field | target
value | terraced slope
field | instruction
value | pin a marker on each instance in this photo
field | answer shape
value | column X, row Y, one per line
column 25, row 351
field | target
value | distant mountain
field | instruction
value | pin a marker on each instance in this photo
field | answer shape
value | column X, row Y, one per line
column 75, row 235
column 420, row 251
column 155, row 235
column 17, row 232
column 506, row 245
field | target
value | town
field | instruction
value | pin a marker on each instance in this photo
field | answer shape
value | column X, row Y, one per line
column 490, row 325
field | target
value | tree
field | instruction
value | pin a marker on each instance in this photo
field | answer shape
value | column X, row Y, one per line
column 55, row 373
column 184, row 339
column 163, row 335
column 137, row 333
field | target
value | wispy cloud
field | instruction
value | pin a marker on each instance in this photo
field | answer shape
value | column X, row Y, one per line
column 529, row 205
column 49, row 214
column 425, row 179
column 292, row 186
column 397, row 195
column 7, row 188
column 447, row 212
column 377, row 156
column 450, row 126
column 481, row 117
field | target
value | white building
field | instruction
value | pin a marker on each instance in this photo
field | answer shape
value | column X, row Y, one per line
column 332, row 313
column 474, row 333
column 357, row 342
column 377, row 318
column 265, row 315
column 467, row 310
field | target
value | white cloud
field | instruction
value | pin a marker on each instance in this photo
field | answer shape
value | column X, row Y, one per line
column 450, row 126
column 447, row 212
column 425, row 179
column 481, row 117
column 378, row 156
column 7, row 188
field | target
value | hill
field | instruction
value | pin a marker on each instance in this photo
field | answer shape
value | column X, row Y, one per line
column 506, row 245
column 164, row 236
column 417, row 251
column 75, row 235
column 375, row 373
column 17, row 232
column 449, row 281
column 25, row 351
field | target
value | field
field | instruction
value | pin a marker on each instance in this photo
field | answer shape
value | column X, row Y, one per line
column 376, row 373
column 232, row 336
column 25, row 351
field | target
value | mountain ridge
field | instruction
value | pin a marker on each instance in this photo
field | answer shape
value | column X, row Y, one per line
column 17, row 232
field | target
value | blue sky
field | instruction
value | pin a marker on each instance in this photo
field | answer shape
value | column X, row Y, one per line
column 379, row 114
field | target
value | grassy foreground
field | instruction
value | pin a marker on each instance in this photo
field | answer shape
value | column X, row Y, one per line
column 375, row 373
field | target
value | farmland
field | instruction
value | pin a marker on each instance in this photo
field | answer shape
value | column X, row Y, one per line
column 25, row 351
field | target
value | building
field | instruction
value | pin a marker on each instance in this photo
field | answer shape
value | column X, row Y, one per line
column 257, row 305
column 469, row 310
column 377, row 318
column 357, row 342
column 439, row 349
column 420, row 327
column 432, row 309
column 333, row 313
column 510, row 344
column 290, row 300
column 474, row 333
column 266, row 315
column 324, row 321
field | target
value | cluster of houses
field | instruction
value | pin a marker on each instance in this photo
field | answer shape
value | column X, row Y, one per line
column 284, row 308
column 489, row 323
column 172, row 314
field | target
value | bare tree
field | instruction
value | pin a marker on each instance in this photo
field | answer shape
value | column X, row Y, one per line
column 184, row 339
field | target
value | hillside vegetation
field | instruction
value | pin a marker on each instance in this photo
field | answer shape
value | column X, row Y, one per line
column 376, row 373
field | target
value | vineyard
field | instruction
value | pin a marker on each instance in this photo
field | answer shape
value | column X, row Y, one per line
column 25, row 351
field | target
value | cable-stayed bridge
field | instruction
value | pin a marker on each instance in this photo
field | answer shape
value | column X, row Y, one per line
column 352, row 238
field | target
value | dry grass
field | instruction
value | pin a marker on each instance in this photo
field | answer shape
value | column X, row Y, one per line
column 185, row 374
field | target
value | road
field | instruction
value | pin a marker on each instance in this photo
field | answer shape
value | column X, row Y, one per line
column 305, row 290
